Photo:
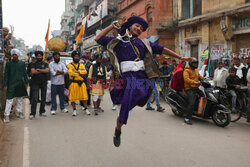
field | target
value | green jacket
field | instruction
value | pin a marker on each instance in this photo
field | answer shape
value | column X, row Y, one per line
column 15, row 78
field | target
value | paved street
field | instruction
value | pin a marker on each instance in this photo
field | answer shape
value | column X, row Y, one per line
column 150, row 139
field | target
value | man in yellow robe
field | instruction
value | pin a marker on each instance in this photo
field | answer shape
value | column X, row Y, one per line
column 77, row 88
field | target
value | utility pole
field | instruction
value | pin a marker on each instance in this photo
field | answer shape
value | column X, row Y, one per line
column 2, row 94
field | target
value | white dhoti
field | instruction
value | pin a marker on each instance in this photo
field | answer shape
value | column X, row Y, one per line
column 9, row 102
column 48, row 96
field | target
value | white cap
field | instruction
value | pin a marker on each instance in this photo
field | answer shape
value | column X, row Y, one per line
column 33, row 56
column 15, row 52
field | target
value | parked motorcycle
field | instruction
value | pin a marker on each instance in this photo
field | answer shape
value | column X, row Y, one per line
column 241, row 102
column 207, row 106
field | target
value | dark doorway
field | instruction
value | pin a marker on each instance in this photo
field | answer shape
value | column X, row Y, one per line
column 194, row 51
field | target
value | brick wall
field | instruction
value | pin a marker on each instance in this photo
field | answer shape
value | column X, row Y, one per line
column 136, row 8
column 161, row 9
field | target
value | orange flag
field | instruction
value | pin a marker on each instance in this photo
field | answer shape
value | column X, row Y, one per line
column 47, row 34
column 79, row 36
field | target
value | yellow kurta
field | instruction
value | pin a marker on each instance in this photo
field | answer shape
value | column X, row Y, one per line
column 77, row 92
column 97, row 89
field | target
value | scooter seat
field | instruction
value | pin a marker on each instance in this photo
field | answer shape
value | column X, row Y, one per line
column 180, row 94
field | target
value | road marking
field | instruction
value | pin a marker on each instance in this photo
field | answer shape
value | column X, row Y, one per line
column 26, row 151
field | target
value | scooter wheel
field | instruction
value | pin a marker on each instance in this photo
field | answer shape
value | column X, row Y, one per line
column 177, row 113
column 221, row 119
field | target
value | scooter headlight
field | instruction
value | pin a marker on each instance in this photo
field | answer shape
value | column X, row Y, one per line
column 211, row 96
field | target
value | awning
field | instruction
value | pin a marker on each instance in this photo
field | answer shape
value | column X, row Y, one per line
column 153, row 38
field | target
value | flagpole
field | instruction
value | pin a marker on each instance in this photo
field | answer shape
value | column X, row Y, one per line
column 76, row 45
column 46, row 40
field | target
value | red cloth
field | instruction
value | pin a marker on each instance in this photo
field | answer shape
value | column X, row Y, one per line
column 206, row 62
column 177, row 82
column 87, row 55
column 178, row 68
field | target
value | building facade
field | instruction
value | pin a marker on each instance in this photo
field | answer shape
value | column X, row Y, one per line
column 158, row 14
column 94, row 15
column 221, row 27
column 100, row 14
column 68, row 22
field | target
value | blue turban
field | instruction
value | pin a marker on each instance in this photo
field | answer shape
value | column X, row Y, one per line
column 132, row 20
column 49, row 57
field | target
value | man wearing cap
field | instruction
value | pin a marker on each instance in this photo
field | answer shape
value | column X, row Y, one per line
column 8, row 46
column 133, row 61
column 57, row 71
column 15, row 84
column 40, row 71
column 7, row 54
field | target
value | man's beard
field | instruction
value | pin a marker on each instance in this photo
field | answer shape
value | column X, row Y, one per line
column 39, row 60
column 57, row 60
column 76, row 61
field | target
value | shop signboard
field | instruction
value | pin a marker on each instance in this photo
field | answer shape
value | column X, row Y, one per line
column 216, row 52
column 241, row 23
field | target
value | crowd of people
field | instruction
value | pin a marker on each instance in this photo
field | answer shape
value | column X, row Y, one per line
column 131, row 84
column 52, row 78
column 134, row 73
column 233, row 77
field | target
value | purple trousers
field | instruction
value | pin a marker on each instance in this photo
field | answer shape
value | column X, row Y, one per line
column 134, row 89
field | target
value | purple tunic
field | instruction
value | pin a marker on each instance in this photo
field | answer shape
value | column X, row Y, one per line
column 135, row 89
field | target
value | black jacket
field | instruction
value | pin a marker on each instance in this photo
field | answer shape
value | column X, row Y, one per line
column 244, row 78
column 95, row 73
column 232, row 81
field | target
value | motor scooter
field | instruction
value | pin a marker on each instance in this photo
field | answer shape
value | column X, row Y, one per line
column 206, row 106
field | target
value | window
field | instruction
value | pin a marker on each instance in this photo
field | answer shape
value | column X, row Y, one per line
column 194, row 29
column 197, row 7
column 191, row 8
column 185, row 9
column 194, row 51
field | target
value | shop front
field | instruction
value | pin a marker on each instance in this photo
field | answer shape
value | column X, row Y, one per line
column 241, row 36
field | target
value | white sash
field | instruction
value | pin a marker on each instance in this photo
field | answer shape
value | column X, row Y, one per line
column 132, row 66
